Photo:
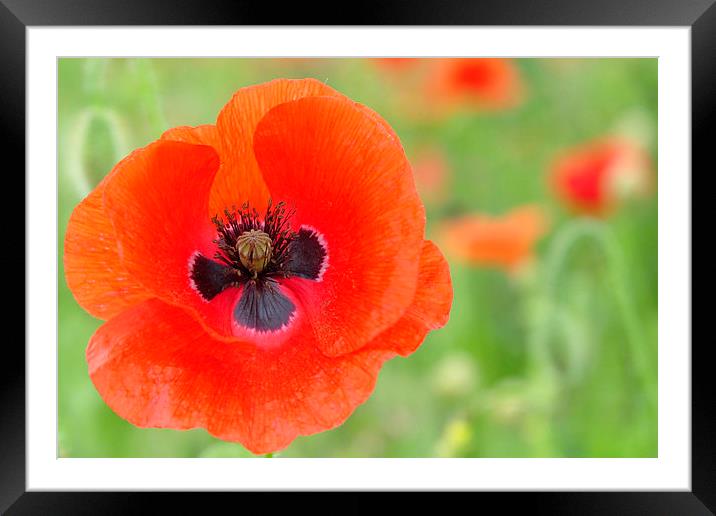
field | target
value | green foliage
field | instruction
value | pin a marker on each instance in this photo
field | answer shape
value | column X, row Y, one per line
column 558, row 362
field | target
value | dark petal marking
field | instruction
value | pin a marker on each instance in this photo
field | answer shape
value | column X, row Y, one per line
column 210, row 278
column 262, row 307
column 307, row 255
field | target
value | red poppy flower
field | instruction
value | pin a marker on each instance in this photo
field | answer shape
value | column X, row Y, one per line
column 256, row 273
column 593, row 177
column 432, row 88
column 485, row 83
column 506, row 242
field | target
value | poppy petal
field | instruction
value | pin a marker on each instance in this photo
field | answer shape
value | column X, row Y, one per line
column 158, row 206
column 308, row 256
column 347, row 177
column 379, row 119
column 93, row 269
column 199, row 135
column 208, row 277
column 239, row 179
column 263, row 308
column 430, row 309
column 262, row 398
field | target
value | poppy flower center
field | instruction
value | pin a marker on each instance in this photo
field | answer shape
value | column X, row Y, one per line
column 254, row 249
column 258, row 255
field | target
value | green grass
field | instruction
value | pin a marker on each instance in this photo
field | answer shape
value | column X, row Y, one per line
column 560, row 362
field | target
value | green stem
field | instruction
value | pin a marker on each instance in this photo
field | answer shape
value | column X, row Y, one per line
column 543, row 316
column 149, row 93
column 94, row 78
column 541, row 372
column 558, row 254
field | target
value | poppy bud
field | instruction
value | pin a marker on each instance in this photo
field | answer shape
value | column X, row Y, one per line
column 254, row 248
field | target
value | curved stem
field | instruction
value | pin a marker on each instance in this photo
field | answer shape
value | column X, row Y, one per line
column 149, row 89
column 94, row 77
column 559, row 252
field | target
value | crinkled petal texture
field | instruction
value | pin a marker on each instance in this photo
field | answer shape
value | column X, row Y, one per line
column 158, row 207
column 430, row 307
column 239, row 179
column 346, row 176
column 168, row 358
column 157, row 367
column 93, row 268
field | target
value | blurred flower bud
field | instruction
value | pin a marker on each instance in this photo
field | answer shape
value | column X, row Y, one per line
column 455, row 438
column 455, row 375
column 638, row 126
column 508, row 401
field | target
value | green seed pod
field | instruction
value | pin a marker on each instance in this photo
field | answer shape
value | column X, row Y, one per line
column 254, row 250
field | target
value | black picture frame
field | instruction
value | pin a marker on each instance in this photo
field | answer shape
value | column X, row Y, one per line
column 16, row 15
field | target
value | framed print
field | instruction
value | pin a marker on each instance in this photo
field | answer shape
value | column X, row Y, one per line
column 450, row 253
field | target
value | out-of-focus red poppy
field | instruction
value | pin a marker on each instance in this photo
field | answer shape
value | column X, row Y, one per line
column 484, row 83
column 426, row 89
column 432, row 174
column 592, row 178
column 506, row 242
column 256, row 274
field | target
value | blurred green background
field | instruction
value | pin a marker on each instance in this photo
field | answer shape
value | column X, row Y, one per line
column 559, row 361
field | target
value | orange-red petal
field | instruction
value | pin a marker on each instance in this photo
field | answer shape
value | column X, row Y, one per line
column 155, row 366
column 430, row 309
column 347, row 177
column 506, row 241
column 199, row 135
column 93, row 269
column 158, row 205
column 239, row 180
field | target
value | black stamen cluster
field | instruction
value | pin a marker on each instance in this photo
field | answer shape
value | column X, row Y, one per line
column 235, row 223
